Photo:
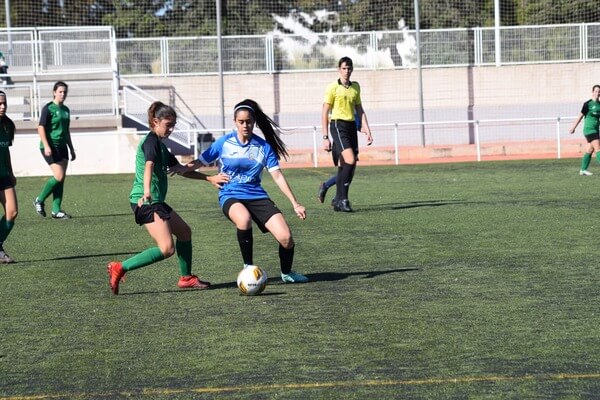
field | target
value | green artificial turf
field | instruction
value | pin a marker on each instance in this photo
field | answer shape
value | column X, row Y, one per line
column 470, row 280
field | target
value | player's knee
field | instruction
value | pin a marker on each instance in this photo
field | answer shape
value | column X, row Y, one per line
column 167, row 251
column 243, row 224
column 12, row 215
column 287, row 242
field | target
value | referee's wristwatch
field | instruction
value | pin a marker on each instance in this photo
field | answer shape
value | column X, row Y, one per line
column 325, row 137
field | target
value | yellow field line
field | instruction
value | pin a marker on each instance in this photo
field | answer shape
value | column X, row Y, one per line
column 316, row 385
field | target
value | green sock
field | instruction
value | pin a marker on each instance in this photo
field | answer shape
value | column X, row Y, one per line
column 585, row 161
column 47, row 189
column 5, row 228
column 598, row 157
column 184, row 255
column 146, row 257
column 57, row 194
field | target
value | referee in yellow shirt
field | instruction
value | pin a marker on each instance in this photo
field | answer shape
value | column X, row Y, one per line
column 342, row 102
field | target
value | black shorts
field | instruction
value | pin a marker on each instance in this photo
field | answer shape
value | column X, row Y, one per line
column 261, row 210
column 6, row 183
column 58, row 154
column 344, row 136
column 592, row 136
column 145, row 213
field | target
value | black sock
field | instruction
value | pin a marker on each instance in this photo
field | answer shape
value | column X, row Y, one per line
column 338, row 184
column 346, row 178
column 286, row 259
column 245, row 241
column 352, row 172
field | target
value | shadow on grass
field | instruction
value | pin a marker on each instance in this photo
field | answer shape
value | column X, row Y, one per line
column 338, row 276
column 77, row 257
column 412, row 204
column 317, row 277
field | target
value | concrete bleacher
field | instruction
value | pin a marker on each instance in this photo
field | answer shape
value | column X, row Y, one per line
column 91, row 100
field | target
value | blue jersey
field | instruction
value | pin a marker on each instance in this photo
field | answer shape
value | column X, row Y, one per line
column 243, row 163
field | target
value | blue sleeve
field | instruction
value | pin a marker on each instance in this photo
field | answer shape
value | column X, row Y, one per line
column 271, row 161
column 213, row 153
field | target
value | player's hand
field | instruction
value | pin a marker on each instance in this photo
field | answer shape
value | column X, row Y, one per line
column 218, row 180
column 369, row 139
column 145, row 199
column 300, row 211
column 47, row 151
column 326, row 144
column 73, row 156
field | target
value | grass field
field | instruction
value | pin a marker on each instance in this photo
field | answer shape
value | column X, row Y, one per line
column 469, row 280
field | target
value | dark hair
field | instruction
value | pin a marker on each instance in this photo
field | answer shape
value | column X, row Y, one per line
column 268, row 127
column 595, row 86
column 59, row 84
column 161, row 111
column 345, row 60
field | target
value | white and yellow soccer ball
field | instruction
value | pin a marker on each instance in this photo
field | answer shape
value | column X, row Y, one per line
column 252, row 280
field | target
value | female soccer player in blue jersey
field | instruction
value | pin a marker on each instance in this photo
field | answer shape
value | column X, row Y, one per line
column 242, row 155
column 153, row 163
column 8, row 195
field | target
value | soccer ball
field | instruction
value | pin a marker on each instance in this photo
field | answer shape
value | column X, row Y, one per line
column 252, row 280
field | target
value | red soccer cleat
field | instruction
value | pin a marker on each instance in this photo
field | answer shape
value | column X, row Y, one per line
column 192, row 282
column 116, row 274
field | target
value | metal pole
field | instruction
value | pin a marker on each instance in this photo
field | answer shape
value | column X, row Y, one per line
column 477, row 143
column 8, row 26
column 220, row 62
column 558, row 149
column 419, row 72
column 497, row 31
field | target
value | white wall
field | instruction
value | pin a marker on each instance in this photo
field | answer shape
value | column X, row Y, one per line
column 97, row 153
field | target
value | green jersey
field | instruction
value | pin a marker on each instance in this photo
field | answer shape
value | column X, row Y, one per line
column 591, row 112
column 56, row 120
column 151, row 148
column 7, row 135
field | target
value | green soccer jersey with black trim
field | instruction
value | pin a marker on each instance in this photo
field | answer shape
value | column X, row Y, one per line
column 56, row 120
column 151, row 148
column 591, row 112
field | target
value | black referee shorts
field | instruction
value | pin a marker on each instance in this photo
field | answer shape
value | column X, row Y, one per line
column 344, row 136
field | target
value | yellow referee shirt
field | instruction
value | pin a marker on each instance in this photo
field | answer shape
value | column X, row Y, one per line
column 342, row 100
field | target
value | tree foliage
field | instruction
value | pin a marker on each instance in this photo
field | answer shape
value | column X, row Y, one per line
column 152, row 18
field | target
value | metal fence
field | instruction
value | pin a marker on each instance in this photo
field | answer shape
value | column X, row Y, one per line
column 85, row 56
column 371, row 50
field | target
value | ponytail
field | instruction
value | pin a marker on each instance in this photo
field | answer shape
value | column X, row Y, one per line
column 268, row 127
column 161, row 111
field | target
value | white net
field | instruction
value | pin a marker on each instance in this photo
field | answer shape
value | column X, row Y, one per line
column 283, row 54
column 151, row 18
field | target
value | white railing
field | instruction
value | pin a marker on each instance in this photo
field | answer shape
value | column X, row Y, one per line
column 135, row 105
column 285, row 53
column 114, row 151
column 394, row 136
